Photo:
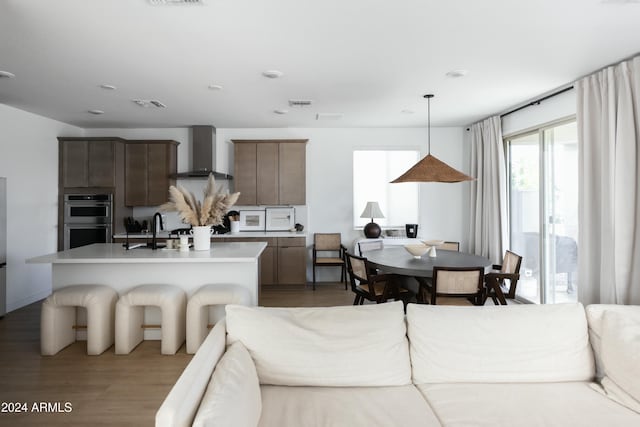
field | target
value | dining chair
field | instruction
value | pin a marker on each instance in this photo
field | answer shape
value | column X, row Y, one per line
column 329, row 243
column 369, row 245
column 461, row 282
column 501, row 282
column 373, row 287
column 450, row 246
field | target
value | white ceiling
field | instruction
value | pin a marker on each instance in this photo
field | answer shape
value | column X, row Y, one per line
column 366, row 59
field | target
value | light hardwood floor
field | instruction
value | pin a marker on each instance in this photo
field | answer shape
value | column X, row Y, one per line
column 106, row 390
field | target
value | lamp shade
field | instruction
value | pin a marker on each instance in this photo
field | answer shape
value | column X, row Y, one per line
column 372, row 210
column 431, row 169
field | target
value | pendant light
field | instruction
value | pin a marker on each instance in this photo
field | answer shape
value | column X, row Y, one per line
column 431, row 169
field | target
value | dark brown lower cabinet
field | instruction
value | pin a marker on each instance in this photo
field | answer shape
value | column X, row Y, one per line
column 283, row 262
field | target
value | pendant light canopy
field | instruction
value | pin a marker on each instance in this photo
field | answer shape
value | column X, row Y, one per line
column 431, row 169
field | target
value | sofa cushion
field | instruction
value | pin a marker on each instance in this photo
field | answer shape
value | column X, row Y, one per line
column 518, row 343
column 328, row 346
column 524, row 405
column 595, row 317
column 621, row 357
column 401, row 406
column 233, row 396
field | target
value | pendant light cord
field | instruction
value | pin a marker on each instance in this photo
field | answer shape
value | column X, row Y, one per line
column 429, row 96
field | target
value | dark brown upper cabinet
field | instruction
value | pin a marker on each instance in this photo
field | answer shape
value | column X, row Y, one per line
column 88, row 162
column 270, row 172
column 149, row 167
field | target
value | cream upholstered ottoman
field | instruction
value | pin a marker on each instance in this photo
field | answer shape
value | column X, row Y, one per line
column 172, row 302
column 58, row 318
column 198, row 309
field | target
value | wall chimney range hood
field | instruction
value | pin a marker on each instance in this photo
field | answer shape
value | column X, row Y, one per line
column 203, row 149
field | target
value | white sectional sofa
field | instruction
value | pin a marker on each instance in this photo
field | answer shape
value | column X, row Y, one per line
column 520, row 365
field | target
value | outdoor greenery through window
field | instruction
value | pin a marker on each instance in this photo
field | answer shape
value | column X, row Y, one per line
column 543, row 211
column 373, row 170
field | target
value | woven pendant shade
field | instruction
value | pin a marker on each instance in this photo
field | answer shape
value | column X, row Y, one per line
column 430, row 169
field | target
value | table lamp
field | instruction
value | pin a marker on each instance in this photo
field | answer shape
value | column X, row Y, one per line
column 372, row 210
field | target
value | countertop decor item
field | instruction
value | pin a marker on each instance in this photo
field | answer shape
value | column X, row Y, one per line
column 372, row 210
column 191, row 211
column 431, row 169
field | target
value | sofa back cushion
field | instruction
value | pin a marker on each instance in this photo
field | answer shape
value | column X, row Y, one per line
column 232, row 398
column 595, row 319
column 621, row 356
column 328, row 346
column 516, row 343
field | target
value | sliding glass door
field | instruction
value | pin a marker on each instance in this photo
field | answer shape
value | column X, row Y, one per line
column 543, row 211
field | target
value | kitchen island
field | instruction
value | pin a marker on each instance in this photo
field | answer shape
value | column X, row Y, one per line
column 110, row 264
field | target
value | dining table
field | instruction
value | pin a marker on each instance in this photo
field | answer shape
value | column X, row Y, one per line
column 397, row 260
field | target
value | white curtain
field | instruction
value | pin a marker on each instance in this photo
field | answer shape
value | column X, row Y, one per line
column 608, row 110
column 489, row 191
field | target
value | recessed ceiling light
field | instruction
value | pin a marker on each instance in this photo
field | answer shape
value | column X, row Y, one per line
column 6, row 75
column 457, row 73
column 108, row 87
column 215, row 87
column 272, row 74
column 406, row 111
column 281, row 111
column 95, row 112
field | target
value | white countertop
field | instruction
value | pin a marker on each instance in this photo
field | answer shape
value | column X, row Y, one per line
column 163, row 235
column 114, row 253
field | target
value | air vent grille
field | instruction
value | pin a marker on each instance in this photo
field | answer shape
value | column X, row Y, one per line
column 146, row 103
column 300, row 102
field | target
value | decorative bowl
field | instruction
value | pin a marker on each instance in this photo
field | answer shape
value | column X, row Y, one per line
column 416, row 249
column 433, row 242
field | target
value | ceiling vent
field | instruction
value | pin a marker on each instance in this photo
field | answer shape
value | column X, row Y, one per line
column 146, row 103
column 300, row 103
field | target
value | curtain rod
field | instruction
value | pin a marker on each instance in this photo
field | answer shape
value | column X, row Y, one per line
column 537, row 101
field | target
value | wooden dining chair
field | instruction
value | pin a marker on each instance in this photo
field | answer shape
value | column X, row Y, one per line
column 501, row 282
column 461, row 282
column 329, row 243
column 370, row 245
column 373, row 287
column 450, row 246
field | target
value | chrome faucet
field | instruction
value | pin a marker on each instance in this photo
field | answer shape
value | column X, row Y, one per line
column 154, row 226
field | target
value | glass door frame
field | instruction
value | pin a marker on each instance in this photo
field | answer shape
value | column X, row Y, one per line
column 543, row 196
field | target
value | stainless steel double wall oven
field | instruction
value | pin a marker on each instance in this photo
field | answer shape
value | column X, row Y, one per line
column 88, row 218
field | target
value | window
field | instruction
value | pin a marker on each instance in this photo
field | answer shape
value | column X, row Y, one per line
column 373, row 170
column 543, row 211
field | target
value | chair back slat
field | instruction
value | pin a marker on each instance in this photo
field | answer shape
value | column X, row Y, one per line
column 458, row 282
column 327, row 241
column 450, row 246
column 511, row 263
column 370, row 245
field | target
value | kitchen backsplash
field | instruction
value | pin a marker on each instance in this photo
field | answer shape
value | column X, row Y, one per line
column 171, row 220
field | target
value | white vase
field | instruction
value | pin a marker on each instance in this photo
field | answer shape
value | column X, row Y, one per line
column 202, row 238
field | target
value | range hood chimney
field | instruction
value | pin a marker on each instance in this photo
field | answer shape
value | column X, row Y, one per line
column 203, row 149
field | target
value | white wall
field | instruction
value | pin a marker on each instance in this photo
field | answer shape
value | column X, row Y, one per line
column 549, row 110
column 29, row 161
column 329, row 177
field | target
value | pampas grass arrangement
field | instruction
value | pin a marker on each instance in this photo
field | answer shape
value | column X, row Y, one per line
column 191, row 211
